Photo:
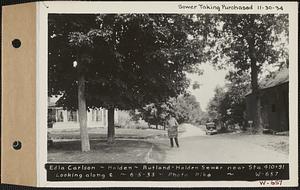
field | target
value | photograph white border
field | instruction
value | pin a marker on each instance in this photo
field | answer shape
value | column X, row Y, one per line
column 44, row 8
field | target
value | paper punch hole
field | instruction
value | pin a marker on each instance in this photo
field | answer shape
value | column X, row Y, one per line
column 16, row 43
column 17, row 145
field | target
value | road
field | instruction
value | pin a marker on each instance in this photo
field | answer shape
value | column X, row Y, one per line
column 154, row 147
column 196, row 147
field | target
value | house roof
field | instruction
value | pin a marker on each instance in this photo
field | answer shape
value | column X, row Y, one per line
column 52, row 100
column 51, row 104
column 280, row 77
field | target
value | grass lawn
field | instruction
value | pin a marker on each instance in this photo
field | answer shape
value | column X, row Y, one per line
column 101, row 133
column 131, row 146
column 120, row 133
column 122, row 151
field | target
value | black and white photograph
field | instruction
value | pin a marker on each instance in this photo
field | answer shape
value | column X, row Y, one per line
column 169, row 91
column 150, row 94
column 168, row 88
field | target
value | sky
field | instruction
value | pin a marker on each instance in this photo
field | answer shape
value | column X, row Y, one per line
column 210, row 79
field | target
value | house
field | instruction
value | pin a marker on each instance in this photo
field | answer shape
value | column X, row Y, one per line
column 58, row 118
column 274, row 95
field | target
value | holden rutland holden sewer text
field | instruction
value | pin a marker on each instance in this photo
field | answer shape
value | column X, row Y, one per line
column 161, row 172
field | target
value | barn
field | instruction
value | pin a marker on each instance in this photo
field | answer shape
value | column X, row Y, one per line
column 274, row 94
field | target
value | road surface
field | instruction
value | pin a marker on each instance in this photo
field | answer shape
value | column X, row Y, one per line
column 196, row 147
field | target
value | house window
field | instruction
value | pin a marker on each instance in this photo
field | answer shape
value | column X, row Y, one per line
column 60, row 116
column 93, row 115
column 104, row 117
column 72, row 116
column 98, row 115
column 51, row 115
column 273, row 108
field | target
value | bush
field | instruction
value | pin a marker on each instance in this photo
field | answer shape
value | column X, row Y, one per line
column 123, row 119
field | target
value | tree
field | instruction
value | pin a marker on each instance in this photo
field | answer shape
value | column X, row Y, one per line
column 130, row 60
column 238, row 87
column 215, row 108
column 66, row 49
column 248, row 42
column 155, row 114
column 228, row 104
column 185, row 108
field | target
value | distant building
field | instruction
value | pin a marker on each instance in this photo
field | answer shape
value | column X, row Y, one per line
column 274, row 102
column 58, row 118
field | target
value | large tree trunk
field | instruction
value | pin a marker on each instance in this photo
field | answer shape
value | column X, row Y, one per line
column 85, row 143
column 111, row 125
column 257, row 123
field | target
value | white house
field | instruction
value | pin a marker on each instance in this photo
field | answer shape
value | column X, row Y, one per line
column 58, row 118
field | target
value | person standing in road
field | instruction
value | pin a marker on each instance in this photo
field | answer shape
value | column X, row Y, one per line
column 172, row 126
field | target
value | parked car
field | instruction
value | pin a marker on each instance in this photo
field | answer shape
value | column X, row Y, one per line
column 211, row 128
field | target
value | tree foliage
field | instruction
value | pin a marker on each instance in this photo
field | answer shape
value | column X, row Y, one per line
column 248, row 42
column 185, row 108
column 153, row 114
column 126, row 60
column 228, row 104
column 135, row 59
column 236, row 38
